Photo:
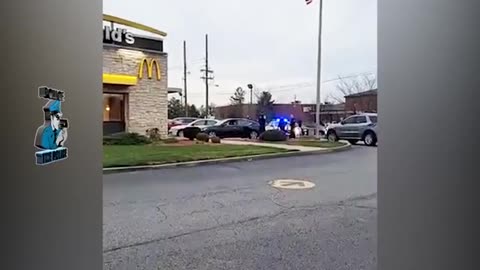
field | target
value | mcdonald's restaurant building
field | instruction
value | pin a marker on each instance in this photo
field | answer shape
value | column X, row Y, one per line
column 135, row 85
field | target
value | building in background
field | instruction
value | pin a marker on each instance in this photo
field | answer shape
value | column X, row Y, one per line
column 305, row 112
column 135, row 82
column 363, row 102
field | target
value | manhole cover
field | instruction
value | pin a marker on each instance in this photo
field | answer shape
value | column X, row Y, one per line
column 291, row 184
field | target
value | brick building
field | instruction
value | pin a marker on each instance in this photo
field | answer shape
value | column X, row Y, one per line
column 304, row 112
column 362, row 102
column 135, row 85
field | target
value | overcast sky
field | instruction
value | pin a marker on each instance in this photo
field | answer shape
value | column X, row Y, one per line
column 269, row 43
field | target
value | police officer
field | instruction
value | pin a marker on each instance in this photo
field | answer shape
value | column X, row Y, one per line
column 281, row 124
column 293, row 123
column 262, row 121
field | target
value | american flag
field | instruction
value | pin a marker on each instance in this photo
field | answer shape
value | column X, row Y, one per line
column 308, row 2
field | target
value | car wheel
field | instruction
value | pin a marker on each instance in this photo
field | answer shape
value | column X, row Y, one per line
column 180, row 133
column 253, row 135
column 212, row 134
column 370, row 139
column 332, row 136
column 353, row 142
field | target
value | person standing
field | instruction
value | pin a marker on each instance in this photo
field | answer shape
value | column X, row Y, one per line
column 293, row 123
column 281, row 124
column 262, row 122
column 300, row 127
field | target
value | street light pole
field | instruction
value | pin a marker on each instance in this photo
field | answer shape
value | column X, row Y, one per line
column 185, row 77
column 319, row 72
column 250, row 86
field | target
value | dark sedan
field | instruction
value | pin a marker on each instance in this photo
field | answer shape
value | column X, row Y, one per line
column 234, row 128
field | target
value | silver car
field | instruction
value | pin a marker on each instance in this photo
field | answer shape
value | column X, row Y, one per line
column 200, row 123
column 361, row 127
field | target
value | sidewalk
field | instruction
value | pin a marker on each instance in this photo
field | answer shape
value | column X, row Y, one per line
column 276, row 145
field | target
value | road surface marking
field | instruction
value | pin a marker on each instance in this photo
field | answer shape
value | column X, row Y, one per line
column 291, row 184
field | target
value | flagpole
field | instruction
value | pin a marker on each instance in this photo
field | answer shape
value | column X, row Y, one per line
column 319, row 72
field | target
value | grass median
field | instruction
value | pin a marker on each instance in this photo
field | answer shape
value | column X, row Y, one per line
column 136, row 155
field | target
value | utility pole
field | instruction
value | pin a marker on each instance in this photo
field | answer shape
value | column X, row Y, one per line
column 206, row 77
column 319, row 72
column 185, row 76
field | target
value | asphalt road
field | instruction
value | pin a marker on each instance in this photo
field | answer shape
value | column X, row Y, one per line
column 228, row 217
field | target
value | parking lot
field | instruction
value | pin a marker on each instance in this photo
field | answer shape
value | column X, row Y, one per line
column 228, row 216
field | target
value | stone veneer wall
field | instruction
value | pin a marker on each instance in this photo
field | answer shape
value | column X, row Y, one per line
column 147, row 102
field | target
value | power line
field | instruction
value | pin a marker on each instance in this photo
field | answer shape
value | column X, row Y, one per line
column 178, row 67
column 289, row 87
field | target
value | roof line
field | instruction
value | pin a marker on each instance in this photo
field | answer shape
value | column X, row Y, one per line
column 114, row 19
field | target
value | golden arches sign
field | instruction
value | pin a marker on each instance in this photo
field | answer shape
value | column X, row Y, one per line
column 150, row 64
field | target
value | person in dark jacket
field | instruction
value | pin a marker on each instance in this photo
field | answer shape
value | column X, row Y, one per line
column 282, row 124
column 300, row 126
column 262, row 121
column 293, row 123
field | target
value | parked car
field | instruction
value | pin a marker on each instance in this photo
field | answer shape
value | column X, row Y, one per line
column 200, row 123
column 234, row 128
column 361, row 127
column 274, row 124
column 311, row 129
column 180, row 121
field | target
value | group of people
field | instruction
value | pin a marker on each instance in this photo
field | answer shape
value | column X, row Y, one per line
column 282, row 125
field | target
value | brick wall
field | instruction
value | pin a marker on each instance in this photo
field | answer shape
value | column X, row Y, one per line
column 367, row 103
column 147, row 102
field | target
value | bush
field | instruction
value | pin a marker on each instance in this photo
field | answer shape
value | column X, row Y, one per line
column 126, row 139
column 203, row 137
column 191, row 132
column 273, row 135
column 216, row 140
column 153, row 134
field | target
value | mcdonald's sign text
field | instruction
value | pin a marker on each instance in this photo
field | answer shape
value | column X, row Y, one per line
column 150, row 64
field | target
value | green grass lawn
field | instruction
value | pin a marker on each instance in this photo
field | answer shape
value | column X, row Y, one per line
column 316, row 143
column 134, row 155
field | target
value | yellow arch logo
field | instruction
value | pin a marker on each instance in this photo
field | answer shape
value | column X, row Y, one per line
column 150, row 65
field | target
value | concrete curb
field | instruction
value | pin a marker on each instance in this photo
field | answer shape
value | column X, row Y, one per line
column 296, row 153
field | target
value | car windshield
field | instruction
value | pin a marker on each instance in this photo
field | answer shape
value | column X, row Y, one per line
column 219, row 123
column 197, row 122
column 373, row 119
column 186, row 121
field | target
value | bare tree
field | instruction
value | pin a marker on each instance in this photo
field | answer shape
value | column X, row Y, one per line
column 265, row 104
column 238, row 97
column 349, row 86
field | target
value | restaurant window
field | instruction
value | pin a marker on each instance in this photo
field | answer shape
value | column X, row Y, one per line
column 113, row 107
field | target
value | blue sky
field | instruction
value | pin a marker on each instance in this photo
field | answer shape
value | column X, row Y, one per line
column 270, row 43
